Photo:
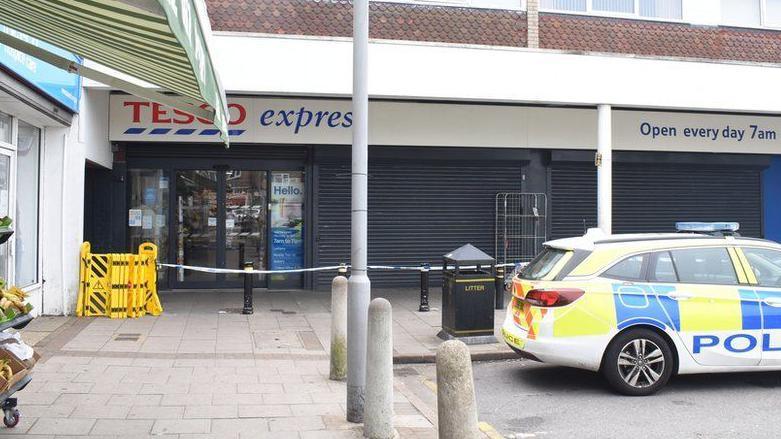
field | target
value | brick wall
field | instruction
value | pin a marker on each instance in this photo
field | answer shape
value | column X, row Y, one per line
column 393, row 21
column 598, row 34
column 397, row 21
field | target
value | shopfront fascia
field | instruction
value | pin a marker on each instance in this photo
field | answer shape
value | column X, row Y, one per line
column 217, row 207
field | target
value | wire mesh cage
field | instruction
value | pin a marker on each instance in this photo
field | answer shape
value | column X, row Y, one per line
column 521, row 226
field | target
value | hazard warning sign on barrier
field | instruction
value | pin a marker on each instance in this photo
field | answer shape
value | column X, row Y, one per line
column 118, row 285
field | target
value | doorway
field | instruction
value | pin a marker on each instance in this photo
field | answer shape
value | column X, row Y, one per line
column 221, row 220
column 220, row 217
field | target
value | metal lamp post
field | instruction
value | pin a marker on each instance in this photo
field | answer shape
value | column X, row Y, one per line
column 359, row 287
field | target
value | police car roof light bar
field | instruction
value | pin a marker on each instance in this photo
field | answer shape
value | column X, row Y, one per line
column 716, row 228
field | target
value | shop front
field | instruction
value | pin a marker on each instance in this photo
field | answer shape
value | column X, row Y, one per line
column 220, row 210
column 37, row 104
column 280, row 196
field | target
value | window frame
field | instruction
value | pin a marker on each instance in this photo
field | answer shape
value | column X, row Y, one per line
column 763, row 24
column 11, row 149
column 633, row 16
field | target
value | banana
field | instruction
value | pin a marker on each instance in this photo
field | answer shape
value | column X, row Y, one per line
column 18, row 304
column 5, row 370
column 18, row 292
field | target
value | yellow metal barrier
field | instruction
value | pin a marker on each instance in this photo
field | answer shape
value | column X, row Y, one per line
column 118, row 285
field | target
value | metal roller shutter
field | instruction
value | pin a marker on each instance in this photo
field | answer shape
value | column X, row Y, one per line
column 418, row 211
column 573, row 203
column 651, row 198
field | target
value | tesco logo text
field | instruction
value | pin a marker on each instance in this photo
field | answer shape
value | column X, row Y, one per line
column 161, row 114
column 295, row 119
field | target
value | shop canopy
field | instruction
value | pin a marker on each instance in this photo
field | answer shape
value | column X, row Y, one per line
column 160, row 42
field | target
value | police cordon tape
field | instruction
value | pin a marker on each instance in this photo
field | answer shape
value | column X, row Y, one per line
column 312, row 269
column 423, row 269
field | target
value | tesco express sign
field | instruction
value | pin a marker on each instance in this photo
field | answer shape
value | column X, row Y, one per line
column 136, row 119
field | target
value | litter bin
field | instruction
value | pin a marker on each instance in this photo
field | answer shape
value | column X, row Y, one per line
column 468, row 295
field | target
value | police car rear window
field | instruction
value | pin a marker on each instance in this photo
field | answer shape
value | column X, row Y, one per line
column 543, row 264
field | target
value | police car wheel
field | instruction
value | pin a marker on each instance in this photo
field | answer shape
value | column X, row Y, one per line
column 638, row 362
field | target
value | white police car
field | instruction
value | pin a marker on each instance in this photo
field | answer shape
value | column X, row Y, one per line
column 639, row 308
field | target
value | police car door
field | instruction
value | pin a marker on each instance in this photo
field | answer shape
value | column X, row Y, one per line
column 763, row 267
column 709, row 305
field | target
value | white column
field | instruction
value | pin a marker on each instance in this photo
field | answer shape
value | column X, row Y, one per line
column 359, row 288
column 604, row 169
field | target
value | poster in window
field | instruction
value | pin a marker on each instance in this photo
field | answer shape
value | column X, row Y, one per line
column 287, row 220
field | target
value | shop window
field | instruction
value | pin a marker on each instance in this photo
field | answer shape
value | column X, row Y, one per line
column 741, row 12
column 5, row 200
column 287, row 220
column 5, row 128
column 662, row 9
column 26, row 220
column 148, row 211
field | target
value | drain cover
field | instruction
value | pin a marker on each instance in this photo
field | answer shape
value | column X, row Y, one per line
column 127, row 337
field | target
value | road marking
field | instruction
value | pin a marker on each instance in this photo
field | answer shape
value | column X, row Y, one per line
column 489, row 430
column 485, row 427
column 430, row 384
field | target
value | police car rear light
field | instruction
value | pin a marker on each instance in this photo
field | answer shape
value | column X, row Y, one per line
column 553, row 297
column 706, row 227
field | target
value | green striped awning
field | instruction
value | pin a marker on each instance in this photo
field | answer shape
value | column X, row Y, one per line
column 160, row 42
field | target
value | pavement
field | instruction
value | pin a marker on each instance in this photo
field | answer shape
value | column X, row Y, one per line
column 203, row 370
column 293, row 323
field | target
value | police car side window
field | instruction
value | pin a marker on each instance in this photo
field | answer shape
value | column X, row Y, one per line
column 766, row 265
column 704, row 266
column 661, row 268
column 630, row 269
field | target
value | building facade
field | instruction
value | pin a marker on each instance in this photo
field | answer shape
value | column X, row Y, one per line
column 473, row 102
column 44, row 147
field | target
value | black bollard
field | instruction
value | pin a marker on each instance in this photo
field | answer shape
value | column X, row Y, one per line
column 248, row 267
column 499, row 286
column 424, row 272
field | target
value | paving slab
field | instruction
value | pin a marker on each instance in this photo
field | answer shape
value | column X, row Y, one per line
column 201, row 371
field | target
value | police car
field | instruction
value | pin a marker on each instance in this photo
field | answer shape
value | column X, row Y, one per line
column 640, row 308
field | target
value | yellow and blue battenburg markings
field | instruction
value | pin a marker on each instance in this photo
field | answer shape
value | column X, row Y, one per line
column 648, row 304
column 756, row 313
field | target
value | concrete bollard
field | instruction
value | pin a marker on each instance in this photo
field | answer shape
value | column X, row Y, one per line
column 456, row 392
column 378, row 408
column 339, row 327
